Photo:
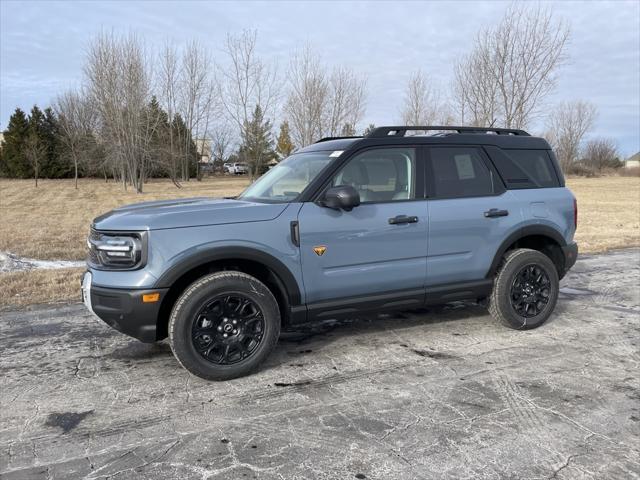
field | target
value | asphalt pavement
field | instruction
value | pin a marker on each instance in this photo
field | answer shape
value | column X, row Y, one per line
column 439, row 393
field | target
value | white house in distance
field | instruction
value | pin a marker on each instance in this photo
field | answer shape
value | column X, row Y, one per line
column 203, row 146
column 633, row 161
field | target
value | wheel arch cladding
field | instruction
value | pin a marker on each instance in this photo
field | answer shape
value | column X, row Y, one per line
column 536, row 237
column 263, row 266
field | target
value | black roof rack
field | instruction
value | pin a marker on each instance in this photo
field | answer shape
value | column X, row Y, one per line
column 326, row 139
column 402, row 130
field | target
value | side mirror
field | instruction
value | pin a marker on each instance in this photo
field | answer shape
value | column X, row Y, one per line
column 343, row 197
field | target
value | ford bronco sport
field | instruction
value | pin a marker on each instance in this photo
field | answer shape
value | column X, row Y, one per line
column 389, row 221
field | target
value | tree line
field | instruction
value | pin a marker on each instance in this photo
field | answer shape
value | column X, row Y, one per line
column 141, row 114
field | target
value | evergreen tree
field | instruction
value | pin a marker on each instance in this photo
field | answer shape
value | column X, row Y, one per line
column 348, row 130
column 36, row 147
column 14, row 163
column 186, row 146
column 257, row 144
column 159, row 148
column 55, row 164
column 369, row 129
column 284, row 146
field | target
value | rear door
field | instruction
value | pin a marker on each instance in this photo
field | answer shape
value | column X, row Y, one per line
column 469, row 212
column 377, row 249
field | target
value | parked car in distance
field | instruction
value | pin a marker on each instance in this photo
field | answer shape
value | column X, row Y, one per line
column 238, row 168
column 225, row 167
column 345, row 226
column 206, row 168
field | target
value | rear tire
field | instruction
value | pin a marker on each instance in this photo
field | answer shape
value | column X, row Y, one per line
column 224, row 325
column 525, row 290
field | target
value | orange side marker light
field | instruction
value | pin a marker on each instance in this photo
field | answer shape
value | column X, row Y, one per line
column 150, row 297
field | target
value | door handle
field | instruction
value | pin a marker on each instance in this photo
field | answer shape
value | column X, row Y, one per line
column 399, row 219
column 494, row 212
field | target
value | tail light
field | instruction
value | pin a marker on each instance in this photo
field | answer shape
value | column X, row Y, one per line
column 575, row 214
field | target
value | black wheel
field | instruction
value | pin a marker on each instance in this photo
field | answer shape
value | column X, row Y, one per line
column 525, row 290
column 224, row 325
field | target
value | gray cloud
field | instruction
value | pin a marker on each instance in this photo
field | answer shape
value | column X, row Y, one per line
column 42, row 45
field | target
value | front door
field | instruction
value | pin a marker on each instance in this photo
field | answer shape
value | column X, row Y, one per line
column 377, row 250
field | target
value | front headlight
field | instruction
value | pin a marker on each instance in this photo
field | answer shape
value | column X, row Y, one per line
column 116, row 251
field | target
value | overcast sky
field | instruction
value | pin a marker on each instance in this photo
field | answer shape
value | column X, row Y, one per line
column 43, row 44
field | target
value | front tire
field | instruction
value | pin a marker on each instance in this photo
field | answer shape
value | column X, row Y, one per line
column 525, row 289
column 224, row 325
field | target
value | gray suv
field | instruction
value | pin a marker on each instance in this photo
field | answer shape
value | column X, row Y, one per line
column 389, row 221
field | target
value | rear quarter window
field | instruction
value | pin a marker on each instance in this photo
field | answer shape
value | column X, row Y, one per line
column 525, row 168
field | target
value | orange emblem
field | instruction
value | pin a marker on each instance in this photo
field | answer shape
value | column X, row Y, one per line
column 320, row 249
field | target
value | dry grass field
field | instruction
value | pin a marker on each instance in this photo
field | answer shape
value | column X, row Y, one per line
column 51, row 222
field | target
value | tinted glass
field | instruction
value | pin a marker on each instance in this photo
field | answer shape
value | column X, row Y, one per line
column 460, row 172
column 528, row 169
column 381, row 175
column 285, row 181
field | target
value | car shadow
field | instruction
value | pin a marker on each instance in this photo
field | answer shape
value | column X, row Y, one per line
column 296, row 340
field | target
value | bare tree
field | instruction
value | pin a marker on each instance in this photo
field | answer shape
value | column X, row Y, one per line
column 601, row 153
column 322, row 104
column 475, row 91
column 307, row 100
column 119, row 76
column 421, row 102
column 35, row 151
column 566, row 127
column 511, row 69
column 197, row 99
column 76, row 120
column 246, row 81
column 168, row 76
column 346, row 102
column 222, row 137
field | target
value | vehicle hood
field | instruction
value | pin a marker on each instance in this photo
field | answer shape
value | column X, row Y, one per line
column 187, row 212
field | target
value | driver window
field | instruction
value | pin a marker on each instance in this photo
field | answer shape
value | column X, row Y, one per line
column 381, row 174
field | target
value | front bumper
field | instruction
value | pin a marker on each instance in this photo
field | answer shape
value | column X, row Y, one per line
column 124, row 310
column 570, row 252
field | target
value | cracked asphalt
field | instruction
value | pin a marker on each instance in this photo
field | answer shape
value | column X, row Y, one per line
column 439, row 393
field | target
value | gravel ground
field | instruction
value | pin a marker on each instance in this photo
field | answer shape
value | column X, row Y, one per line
column 443, row 393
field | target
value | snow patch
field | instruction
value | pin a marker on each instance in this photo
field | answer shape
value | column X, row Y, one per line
column 13, row 263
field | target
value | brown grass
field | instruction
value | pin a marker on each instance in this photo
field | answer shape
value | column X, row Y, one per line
column 40, row 286
column 51, row 222
column 608, row 212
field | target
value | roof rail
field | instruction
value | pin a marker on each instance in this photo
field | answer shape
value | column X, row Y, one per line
column 401, row 131
column 326, row 139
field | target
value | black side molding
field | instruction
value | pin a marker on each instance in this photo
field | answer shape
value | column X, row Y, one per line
column 440, row 294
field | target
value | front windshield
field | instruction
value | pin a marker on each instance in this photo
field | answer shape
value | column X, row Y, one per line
column 284, row 182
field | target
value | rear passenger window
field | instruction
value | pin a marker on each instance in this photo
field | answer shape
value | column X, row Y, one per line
column 526, row 169
column 460, row 172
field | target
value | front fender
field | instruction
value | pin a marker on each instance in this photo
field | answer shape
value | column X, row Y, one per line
column 209, row 252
